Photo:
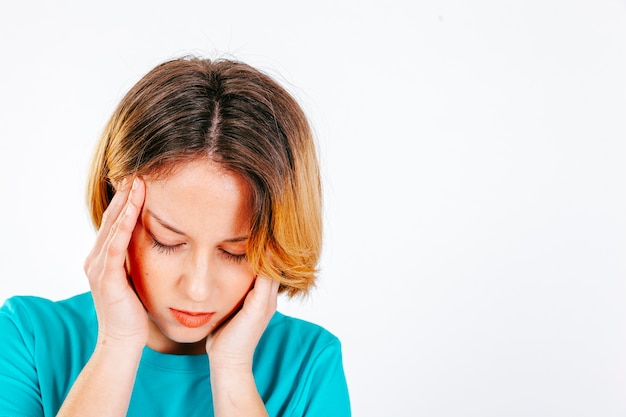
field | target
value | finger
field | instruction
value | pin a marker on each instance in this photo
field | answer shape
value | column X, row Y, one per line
column 268, row 288
column 265, row 294
column 138, row 192
column 273, row 294
column 110, row 215
column 120, row 233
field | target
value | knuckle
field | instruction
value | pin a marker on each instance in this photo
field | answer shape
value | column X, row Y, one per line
column 113, row 251
column 87, row 265
column 91, row 271
column 106, row 217
column 112, row 231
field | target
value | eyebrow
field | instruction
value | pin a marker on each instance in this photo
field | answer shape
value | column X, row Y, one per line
column 236, row 239
column 163, row 223
column 175, row 230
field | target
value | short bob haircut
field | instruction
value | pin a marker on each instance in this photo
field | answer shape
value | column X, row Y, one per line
column 191, row 108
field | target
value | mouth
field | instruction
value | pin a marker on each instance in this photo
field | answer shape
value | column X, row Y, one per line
column 191, row 319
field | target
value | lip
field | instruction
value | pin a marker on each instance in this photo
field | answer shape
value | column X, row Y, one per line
column 191, row 319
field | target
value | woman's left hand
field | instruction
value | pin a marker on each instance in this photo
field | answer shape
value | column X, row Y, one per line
column 232, row 346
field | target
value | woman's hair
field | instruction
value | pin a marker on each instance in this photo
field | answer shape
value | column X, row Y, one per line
column 240, row 118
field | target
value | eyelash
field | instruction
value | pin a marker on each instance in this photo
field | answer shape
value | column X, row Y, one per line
column 234, row 258
column 167, row 249
column 164, row 249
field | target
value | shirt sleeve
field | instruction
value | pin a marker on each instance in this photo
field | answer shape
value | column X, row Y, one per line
column 326, row 391
column 19, row 388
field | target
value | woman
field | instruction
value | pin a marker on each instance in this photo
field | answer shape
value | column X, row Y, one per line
column 206, row 195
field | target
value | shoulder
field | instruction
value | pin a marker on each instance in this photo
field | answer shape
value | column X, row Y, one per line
column 298, row 331
column 296, row 341
column 34, row 308
column 36, row 315
column 18, row 303
column 44, row 346
column 298, row 367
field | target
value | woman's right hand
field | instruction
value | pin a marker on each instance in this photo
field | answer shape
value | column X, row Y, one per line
column 105, row 384
column 122, row 319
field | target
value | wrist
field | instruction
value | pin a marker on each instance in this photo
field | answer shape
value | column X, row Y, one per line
column 113, row 350
column 235, row 392
column 121, row 341
column 228, row 361
column 105, row 384
column 229, row 367
column 232, row 379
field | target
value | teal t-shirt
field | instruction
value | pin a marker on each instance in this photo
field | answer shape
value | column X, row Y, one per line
column 44, row 345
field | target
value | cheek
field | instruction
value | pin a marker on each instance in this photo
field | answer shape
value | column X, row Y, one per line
column 236, row 284
column 151, row 274
column 138, row 263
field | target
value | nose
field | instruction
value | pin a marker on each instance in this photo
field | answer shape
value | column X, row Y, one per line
column 197, row 279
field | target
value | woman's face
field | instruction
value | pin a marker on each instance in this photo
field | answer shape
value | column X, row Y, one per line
column 186, row 257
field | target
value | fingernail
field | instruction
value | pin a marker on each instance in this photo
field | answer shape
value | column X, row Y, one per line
column 135, row 183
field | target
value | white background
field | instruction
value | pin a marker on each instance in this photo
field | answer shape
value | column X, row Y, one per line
column 474, row 162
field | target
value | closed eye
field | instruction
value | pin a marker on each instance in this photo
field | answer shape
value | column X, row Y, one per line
column 233, row 257
column 163, row 248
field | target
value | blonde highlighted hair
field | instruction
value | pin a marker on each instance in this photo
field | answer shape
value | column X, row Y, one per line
column 240, row 118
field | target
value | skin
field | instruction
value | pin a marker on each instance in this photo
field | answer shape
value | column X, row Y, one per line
column 187, row 252
column 200, row 217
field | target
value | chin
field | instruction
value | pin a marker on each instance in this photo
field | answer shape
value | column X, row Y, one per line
column 187, row 345
column 184, row 335
column 178, row 339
